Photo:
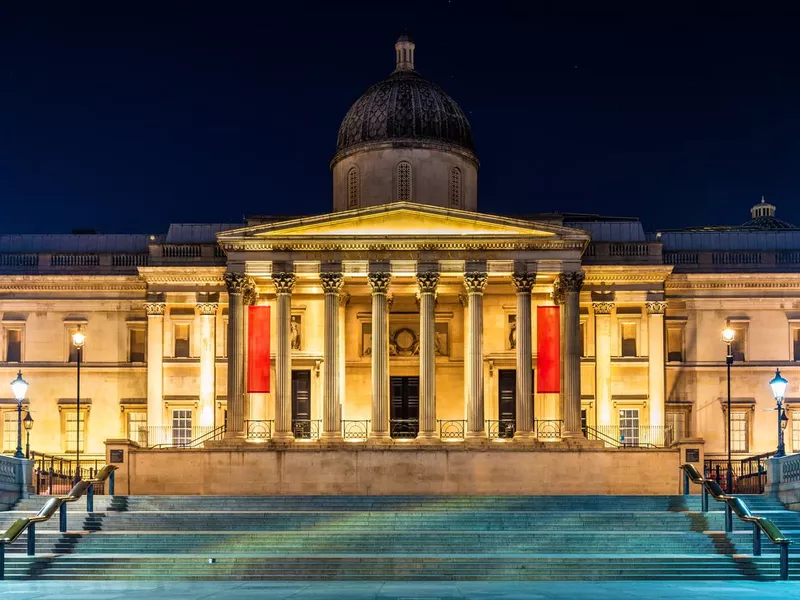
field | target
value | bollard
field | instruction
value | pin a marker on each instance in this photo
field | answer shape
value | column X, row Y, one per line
column 728, row 518
column 685, row 483
column 756, row 540
column 111, row 483
column 62, row 518
column 704, row 500
column 31, row 539
column 90, row 499
column 784, row 562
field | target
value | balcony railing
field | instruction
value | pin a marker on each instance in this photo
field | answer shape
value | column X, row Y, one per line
column 500, row 428
column 259, row 429
column 452, row 429
column 355, row 429
column 306, row 429
column 403, row 429
column 549, row 429
column 655, row 436
column 166, row 436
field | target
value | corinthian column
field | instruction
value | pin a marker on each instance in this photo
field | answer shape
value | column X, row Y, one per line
column 379, row 282
column 570, row 285
column 236, row 283
column 655, row 362
column 602, row 361
column 475, row 283
column 284, row 285
column 331, row 424
column 524, row 284
column 208, row 378
column 427, row 283
column 155, row 362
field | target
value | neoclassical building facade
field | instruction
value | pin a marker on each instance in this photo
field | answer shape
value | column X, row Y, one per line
column 403, row 316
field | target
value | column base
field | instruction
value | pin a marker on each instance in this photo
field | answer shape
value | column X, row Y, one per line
column 475, row 436
column 524, row 435
column 335, row 436
column 283, row 436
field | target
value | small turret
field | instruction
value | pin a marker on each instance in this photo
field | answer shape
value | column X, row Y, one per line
column 404, row 51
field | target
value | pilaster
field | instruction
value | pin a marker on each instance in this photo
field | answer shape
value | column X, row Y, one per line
column 155, row 362
column 602, row 361
column 208, row 378
column 655, row 361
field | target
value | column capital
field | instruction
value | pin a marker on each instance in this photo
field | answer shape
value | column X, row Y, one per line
column 379, row 282
column 344, row 299
column 524, row 282
column 602, row 308
column 155, row 309
column 250, row 295
column 207, row 308
column 283, row 282
column 570, row 281
column 332, row 283
column 428, row 282
column 656, row 308
column 475, row 281
column 235, row 283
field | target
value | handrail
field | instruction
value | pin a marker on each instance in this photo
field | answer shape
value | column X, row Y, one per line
column 58, row 503
column 604, row 437
column 198, row 441
column 734, row 504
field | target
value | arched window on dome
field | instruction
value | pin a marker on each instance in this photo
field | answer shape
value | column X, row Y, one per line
column 455, row 187
column 353, row 191
column 404, row 182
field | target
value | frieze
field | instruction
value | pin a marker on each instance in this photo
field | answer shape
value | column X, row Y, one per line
column 332, row 283
column 400, row 245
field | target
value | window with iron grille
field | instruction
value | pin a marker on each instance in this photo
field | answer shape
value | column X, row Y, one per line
column 404, row 182
column 740, row 427
column 455, row 186
column 352, row 188
column 629, row 426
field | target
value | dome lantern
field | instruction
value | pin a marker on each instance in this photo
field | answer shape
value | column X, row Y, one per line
column 404, row 53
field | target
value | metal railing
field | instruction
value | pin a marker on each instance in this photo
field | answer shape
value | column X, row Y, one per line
column 355, row 429
column 165, row 436
column 749, row 474
column 734, row 504
column 259, row 429
column 57, row 474
column 452, row 429
column 646, row 436
column 403, row 429
column 500, row 428
column 306, row 429
column 549, row 429
column 59, row 503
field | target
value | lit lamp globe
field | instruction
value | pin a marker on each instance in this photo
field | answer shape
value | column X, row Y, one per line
column 27, row 422
column 20, row 387
column 778, row 385
column 78, row 339
column 728, row 334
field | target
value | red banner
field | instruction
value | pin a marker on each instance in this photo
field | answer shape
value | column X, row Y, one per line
column 548, row 349
column 258, row 349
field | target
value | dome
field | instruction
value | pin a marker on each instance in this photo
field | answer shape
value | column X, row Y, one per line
column 405, row 108
column 762, row 216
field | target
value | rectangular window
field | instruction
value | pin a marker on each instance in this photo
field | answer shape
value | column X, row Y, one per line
column 629, row 426
column 675, row 427
column 628, row 339
column 675, row 344
column 13, row 345
column 182, row 340
column 136, row 345
column 795, row 433
column 70, row 431
column 9, row 431
column 740, row 431
column 137, row 426
column 181, row 426
column 739, row 344
column 795, row 343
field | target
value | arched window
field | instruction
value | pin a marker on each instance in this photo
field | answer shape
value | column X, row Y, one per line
column 404, row 182
column 455, row 186
column 352, row 188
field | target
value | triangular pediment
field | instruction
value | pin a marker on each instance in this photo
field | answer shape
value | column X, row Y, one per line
column 400, row 220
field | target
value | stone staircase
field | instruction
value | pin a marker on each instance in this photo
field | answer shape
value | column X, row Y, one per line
column 405, row 537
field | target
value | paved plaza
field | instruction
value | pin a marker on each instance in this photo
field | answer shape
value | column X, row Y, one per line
column 394, row 590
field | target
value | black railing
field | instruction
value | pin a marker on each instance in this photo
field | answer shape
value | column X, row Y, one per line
column 549, row 429
column 403, row 429
column 355, row 429
column 306, row 429
column 55, row 475
column 182, row 441
column 259, row 429
column 500, row 428
column 452, row 429
column 749, row 474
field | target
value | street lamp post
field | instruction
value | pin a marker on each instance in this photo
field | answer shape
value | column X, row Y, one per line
column 28, row 423
column 20, row 388
column 78, row 339
column 728, row 335
column 778, row 385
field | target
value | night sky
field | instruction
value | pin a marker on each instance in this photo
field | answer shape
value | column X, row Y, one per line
column 127, row 118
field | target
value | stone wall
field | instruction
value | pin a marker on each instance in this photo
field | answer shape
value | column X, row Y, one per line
column 16, row 480
column 493, row 468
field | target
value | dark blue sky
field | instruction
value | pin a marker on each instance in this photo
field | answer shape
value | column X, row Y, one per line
column 127, row 118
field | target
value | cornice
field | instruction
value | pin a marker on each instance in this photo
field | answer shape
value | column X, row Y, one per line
column 188, row 275
column 733, row 281
column 336, row 244
column 596, row 274
column 71, row 283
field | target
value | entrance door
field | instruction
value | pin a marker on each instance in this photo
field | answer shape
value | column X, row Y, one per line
column 301, row 405
column 404, row 407
column 507, row 403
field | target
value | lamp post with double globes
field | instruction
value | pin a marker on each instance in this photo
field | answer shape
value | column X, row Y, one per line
column 20, row 388
column 78, row 340
column 728, row 334
column 778, row 385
